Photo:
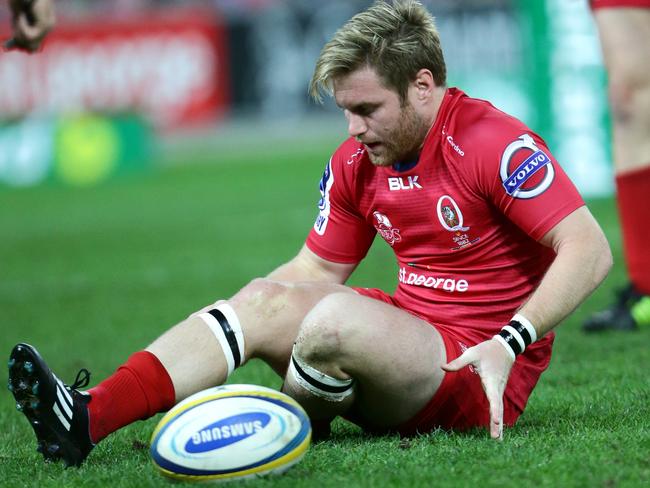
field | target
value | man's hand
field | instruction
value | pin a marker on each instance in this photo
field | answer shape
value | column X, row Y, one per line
column 493, row 364
column 31, row 21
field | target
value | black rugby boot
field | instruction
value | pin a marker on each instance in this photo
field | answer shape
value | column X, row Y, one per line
column 630, row 311
column 58, row 413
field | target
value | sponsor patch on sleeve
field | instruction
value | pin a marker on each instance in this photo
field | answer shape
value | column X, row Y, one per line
column 526, row 171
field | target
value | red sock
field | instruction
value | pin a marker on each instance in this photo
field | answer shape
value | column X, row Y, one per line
column 633, row 194
column 138, row 389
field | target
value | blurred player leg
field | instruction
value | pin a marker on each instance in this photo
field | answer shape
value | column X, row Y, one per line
column 354, row 351
column 625, row 39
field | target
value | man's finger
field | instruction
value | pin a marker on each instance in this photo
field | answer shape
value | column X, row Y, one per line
column 495, row 399
column 460, row 362
column 496, row 422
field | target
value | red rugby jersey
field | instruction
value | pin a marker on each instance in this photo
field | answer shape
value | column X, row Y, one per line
column 596, row 4
column 463, row 222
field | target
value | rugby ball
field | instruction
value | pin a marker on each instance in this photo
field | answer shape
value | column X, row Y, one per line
column 230, row 432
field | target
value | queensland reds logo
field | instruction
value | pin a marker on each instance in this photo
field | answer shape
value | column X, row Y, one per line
column 449, row 214
column 386, row 229
column 451, row 218
column 520, row 180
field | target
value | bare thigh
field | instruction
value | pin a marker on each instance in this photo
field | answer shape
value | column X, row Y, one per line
column 270, row 313
column 394, row 356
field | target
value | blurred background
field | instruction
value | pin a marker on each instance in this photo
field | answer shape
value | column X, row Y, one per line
column 133, row 85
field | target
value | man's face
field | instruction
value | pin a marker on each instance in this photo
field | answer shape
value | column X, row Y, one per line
column 390, row 132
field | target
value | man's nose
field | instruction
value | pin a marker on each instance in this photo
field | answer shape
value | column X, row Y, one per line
column 356, row 125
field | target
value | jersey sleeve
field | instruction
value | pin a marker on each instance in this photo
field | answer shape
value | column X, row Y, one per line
column 340, row 233
column 520, row 176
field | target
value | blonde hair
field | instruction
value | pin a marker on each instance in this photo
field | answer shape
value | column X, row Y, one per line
column 396, row 39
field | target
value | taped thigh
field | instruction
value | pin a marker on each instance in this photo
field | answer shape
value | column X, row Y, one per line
column 224, row 324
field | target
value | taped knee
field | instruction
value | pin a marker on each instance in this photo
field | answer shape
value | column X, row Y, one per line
column 318, row 383
column 224, row 324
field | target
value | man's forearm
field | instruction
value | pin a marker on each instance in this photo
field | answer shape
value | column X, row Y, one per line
column 580, row 266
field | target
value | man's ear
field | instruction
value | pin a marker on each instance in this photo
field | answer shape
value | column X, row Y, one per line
column 424, row 84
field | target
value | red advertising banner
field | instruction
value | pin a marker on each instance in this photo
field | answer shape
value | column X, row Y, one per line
column 171, row 66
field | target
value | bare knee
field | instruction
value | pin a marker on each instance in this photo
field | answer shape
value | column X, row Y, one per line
column 627, row 91
column 327, row 337
column 318, row 377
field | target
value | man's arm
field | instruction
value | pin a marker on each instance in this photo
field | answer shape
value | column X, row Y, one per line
column 582, row 261
column 31, row 21
column 307, row 266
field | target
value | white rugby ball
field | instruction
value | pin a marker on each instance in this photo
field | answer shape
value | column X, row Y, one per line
column 230, row 432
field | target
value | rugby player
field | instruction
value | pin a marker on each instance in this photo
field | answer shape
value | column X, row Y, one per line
column 31, row 21
column 624, row 29
column 494, row 246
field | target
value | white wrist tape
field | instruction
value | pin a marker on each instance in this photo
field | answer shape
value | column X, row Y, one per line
column 529, row 327
column 517, row 335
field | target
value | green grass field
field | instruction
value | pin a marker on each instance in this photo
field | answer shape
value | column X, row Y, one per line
column 89, row 276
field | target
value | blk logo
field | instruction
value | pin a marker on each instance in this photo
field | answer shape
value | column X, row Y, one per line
column 397, row 183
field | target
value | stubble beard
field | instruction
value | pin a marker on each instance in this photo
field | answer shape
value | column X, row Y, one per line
column 405, row 142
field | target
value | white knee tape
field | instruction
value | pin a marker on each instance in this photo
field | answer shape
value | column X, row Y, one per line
column 224, row 324
column 318, row 383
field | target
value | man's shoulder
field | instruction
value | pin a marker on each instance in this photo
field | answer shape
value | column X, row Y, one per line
column 481, row 128
column 481, row 118
column 343, row 169
column 349, row 153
